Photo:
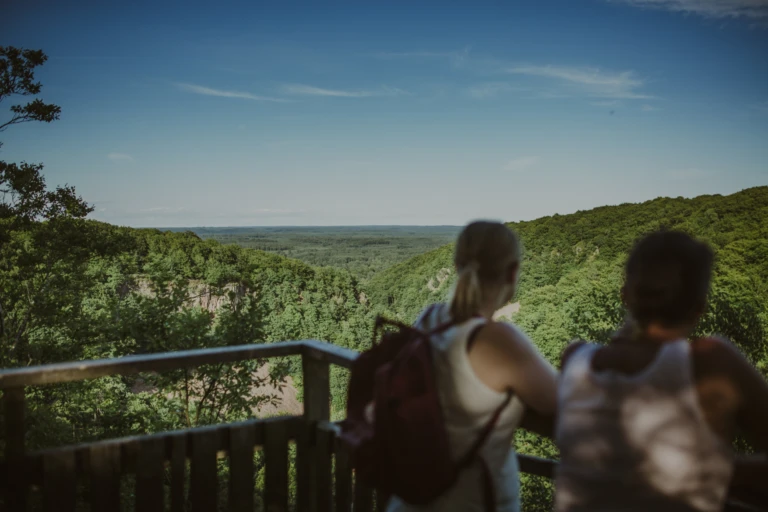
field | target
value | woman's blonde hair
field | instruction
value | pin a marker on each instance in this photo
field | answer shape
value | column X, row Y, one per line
column 484, row 252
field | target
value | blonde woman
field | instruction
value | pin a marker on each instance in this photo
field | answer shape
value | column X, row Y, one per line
column 479, row 364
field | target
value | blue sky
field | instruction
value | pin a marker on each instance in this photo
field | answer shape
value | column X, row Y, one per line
column 288, row 113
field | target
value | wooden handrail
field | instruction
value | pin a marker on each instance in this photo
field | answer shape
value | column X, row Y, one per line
column 315, row 435
column 81, row 370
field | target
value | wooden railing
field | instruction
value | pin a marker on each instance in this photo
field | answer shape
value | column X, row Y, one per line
column 159, row 463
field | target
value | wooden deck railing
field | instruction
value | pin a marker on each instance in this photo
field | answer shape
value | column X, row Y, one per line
column 159, row 462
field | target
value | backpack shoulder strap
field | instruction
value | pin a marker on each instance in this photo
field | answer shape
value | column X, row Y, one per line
column 439, row 328
column 489, row 489
column 427, row 312
column 468, row 457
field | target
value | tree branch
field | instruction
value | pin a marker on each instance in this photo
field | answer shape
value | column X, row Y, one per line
column 14, row 120
column 206, row 393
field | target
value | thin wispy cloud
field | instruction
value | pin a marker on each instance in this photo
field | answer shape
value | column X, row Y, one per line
column 310, row 90
column 207, row 91
column 457, row 58
column 590, row 81
column 650, row 108
column 552, row 95
column 753, row 9
column 396, row 55
column 606, row 103
column 521, row 164
column 120, row 157
column 490, row 89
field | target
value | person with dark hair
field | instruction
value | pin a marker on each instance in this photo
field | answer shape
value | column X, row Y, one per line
column 646, row 422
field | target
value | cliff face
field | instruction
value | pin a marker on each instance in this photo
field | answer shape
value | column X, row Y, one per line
column 200, row 294
column 211, row 298
column 506, row 312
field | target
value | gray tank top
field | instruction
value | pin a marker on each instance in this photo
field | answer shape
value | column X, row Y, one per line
column 637, row 442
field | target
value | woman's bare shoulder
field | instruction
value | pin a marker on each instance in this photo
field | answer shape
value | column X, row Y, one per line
column 504, row 336
column 507, row 343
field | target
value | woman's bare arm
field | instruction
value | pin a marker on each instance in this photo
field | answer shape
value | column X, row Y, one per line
column 505, row 359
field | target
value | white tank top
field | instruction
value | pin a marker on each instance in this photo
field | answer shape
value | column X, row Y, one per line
column 637, row 442
column 468, row 404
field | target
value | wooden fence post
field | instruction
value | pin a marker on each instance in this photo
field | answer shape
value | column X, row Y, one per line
column 16, row 488
column 317, row 407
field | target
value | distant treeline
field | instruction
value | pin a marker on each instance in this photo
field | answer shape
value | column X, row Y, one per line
column 363, row 250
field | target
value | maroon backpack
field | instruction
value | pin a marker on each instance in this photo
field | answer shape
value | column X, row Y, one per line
column 405, row 451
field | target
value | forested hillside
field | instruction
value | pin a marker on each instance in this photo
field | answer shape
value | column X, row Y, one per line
column 571, row 271
column 572, row 274
column 136, row 291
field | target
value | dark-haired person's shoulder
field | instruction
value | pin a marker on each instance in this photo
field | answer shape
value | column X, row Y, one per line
column 717, row 351
column 716, row 356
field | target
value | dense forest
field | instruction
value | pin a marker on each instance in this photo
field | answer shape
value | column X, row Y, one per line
column 73, row 288
column 363, row 250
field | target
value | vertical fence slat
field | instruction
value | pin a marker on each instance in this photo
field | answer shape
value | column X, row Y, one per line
column 304, row 484
column 59, row 482
column 178, row 471
column 276, row 467
column 241, row 488
column 343, row 470
column 317, row 398
column 13, row 410
column 363, row 497
column 105, row 476
column 150, row 474
column 381, row 501
column 204, row 478
column 323, row 450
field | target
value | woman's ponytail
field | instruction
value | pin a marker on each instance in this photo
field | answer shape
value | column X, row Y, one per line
column 483, row 255
column 467, row 294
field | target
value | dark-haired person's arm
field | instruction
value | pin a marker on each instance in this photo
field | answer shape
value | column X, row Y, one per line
column 748, row 482
column 751, row 471
column 727, row 379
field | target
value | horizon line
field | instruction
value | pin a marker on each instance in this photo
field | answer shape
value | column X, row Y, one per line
column 311, row 226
